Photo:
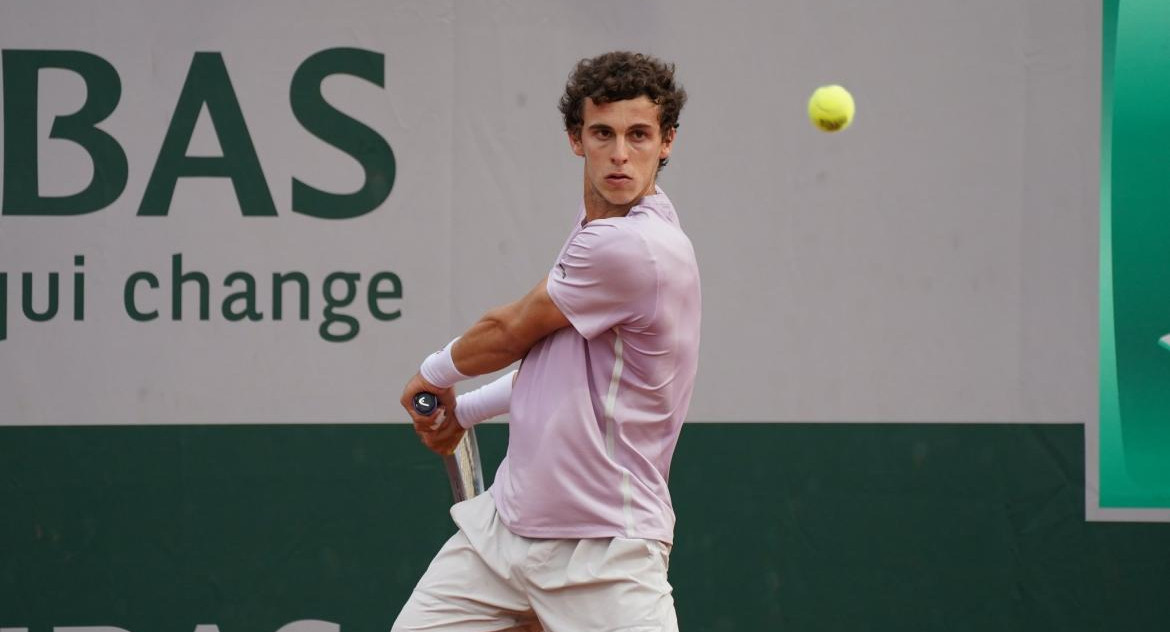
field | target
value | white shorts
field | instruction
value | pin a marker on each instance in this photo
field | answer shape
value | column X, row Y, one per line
column 486, row 579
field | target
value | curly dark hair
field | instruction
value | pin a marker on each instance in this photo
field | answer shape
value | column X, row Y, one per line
column 618, row 76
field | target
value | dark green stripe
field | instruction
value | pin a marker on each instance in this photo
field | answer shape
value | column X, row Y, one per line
column 782, row 527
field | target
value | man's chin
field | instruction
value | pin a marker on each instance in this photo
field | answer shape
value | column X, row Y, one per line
column 620, row 198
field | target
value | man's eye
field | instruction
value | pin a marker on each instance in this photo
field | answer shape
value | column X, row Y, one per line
column 639, row 134
column 602, row 133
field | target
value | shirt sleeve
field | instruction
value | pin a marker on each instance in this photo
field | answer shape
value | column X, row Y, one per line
column 607, row 277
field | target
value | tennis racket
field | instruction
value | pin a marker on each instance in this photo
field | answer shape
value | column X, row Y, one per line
column 463, row 466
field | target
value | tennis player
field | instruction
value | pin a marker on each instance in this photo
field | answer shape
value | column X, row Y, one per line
column 576, row 530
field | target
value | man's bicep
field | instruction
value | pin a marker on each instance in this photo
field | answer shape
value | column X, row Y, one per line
column 538, row 316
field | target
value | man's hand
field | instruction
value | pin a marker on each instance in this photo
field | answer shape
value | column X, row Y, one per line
column 503, row 336
column 440, row 431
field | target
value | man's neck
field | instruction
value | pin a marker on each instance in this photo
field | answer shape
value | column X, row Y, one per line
column 596, row 207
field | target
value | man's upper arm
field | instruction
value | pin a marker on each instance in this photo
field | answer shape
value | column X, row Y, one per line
column 506, row 333
column 606, row 278
column 536, row 316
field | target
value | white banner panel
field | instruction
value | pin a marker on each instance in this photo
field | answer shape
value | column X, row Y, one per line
column 934, row 262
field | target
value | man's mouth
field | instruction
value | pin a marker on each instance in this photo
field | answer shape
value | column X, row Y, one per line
column 617, row 178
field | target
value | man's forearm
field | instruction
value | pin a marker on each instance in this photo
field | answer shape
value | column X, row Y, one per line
column 488, row 345
column 505, row 334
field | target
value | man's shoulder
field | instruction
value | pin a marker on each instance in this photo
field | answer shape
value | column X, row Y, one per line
column 636, row 237
column 659, row 228
column 615, row 242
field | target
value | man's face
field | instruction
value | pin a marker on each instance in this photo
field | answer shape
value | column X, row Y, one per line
column 622, row 144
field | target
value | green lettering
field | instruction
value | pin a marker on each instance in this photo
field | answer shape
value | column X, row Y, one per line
column 395, row 292
column 349, row 323
column 27, row 300
column 178, row 278
column 247, row 296
column 128, row 296
column 208, row 85
column 21, row 69
column 78, row 289
column 278, row 281
column 345, row 133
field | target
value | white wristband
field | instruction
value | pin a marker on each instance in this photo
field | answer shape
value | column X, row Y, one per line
column 485, row 402
column 439, row 369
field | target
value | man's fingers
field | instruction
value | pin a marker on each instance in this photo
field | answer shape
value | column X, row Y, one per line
column 430, row 424
column 430, row 441
column 418, row 385
column 446, row 398
column 439, row 433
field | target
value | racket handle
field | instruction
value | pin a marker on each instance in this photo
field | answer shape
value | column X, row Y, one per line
column 425, row 403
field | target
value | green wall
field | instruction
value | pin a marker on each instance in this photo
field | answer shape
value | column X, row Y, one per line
column 787, row 527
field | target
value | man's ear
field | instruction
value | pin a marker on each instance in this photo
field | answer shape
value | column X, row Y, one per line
column 575, row 142
column 667, row 144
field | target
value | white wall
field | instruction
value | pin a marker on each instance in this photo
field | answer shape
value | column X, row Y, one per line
column 935, row 262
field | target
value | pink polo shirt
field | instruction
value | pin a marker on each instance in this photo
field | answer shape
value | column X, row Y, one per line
column 597, row 407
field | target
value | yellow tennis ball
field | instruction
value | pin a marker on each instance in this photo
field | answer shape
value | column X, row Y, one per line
column 830, row 108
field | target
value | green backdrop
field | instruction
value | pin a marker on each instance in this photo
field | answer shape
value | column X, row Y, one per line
column 781, row 526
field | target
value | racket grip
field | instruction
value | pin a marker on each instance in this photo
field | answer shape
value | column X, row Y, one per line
column 425, row 403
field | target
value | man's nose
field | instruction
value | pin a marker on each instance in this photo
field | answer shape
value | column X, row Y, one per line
column 621, row 152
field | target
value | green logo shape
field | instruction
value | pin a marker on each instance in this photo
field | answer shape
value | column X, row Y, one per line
column 1135, row 255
